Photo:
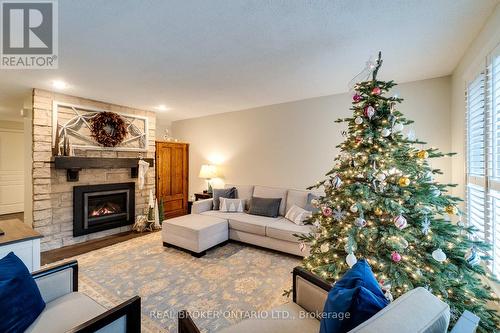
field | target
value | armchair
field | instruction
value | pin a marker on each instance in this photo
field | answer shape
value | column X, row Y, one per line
column 68, row 310
column 416, row 311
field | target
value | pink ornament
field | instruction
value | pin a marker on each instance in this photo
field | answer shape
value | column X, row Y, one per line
column 327, row 211
column 396, row 257
column 376, row 91
column 356, row 98
column 369, row 112
column 400, row 222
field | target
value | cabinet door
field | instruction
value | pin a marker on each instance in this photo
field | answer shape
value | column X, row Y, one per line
column 172, row 177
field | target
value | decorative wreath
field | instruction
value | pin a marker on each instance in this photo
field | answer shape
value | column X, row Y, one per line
column 108, row 129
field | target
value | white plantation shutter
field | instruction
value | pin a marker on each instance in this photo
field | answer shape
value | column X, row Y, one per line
column 483, row 155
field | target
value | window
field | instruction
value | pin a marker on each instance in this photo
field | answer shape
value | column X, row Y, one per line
column 483, row 155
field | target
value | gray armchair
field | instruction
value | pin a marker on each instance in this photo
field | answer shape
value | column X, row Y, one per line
column 416, row 311
column 68, row 310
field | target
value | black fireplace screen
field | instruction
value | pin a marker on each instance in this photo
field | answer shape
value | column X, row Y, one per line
column 101, row 207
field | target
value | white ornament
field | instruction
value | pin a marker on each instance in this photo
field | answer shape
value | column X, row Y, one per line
column 411, row 135
column 349, row 248
column 380, row 176
column 439, row 255
column 400, row 222
column 359, row 222
column 315, row 203
column 389, row 296
column 302, row 247
column 324, row 247
column 358, row 120
column 435, row 192
column 426, row 225
column 398, row 127
column 351, row 259
column 385, row 132
column 472, row 257
column 369, row 112
column 336, row 182
column 354, row 208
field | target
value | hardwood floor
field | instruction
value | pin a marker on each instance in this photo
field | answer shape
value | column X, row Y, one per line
column 19, row 216
column 51, row 256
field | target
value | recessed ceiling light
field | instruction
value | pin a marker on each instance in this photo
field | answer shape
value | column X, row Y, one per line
column 162, row 107
column 59, row 84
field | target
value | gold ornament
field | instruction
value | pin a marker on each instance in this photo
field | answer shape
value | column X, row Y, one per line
column 404, row 181
column 378, row 211
column 423, row 154
column 451, row 210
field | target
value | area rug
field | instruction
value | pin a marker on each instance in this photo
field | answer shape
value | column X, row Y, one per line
column 227, row 285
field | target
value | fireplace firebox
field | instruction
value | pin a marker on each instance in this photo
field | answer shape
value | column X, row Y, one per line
column 102, row 207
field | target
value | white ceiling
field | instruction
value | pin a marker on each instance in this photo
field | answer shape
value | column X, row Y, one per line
column 203, row 57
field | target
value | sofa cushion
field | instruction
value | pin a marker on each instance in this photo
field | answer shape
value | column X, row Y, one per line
column 244, row 192
column 218, row 193
column 309, row 206
column 287, row 318
column 245, row 222
column 232, row 205
column 272, row 192
column 65, row 313
column 269, row 207
column 297, row 198
column 422, row 312
column 284, row 230
column 297, row 215
column 20, row 299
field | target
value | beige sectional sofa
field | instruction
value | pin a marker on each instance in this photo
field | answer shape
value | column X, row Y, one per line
column 273, row 233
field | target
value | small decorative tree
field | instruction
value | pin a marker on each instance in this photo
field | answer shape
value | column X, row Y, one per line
column 382, row 203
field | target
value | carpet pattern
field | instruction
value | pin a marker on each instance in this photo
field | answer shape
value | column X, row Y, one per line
column 234, row 279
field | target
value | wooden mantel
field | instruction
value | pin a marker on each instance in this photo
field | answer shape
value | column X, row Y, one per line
column 74, row 164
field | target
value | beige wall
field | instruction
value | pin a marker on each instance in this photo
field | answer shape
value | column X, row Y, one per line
column 471, row 63
column 293, row 144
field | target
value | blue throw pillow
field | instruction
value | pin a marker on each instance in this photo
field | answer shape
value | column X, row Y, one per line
column 21, row 302
column 353, row 300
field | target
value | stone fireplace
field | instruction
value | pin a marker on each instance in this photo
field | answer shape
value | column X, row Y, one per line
column 53, row 194
column 102, row 207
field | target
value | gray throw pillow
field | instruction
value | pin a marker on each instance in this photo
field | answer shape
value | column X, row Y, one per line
column 269, row 207
column 309, row 206
column 218, row 193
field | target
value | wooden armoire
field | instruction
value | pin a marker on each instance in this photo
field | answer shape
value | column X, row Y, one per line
column 172, row 165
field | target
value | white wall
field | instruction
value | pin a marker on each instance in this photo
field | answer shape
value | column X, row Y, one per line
column 293, row 144
column 471, row 63
column 11, row 167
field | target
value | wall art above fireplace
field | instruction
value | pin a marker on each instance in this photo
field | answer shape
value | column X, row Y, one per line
column 75, row 123
column 102, row 207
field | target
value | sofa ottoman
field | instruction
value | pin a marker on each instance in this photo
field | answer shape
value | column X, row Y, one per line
column 194, row 233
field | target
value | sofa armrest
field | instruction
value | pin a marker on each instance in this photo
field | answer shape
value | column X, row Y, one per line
column 201, row 206
column 309, row 291
column 125, row 318
column 57, row 281
column 185, row 323
column 467, row 323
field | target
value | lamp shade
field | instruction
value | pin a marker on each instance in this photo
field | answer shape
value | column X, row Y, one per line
column 208, row 171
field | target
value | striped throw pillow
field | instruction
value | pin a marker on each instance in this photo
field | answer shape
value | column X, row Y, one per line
column 297, row 215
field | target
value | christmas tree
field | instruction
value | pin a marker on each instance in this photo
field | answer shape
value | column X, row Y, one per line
column 382, row 203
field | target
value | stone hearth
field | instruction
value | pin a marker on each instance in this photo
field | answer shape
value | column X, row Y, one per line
column 53, row 194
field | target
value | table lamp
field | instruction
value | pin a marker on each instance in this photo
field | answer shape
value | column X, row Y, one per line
column 208, row 172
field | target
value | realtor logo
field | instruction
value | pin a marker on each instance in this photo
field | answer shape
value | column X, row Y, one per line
column 29, row 34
